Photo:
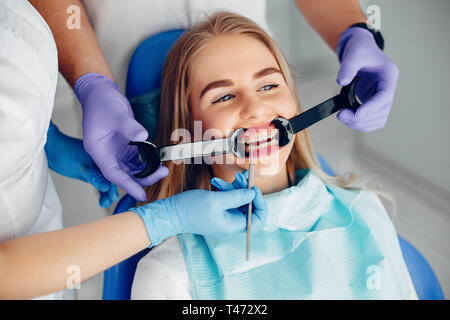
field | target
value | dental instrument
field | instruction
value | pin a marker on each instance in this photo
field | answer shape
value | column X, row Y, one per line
column 153, row 155
column 251, row 176
column 288, row 128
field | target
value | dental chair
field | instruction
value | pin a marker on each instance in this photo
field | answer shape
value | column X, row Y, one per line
column 144, row 75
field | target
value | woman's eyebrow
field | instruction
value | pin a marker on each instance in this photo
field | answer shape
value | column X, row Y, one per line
column 228, row 83
column 265, row 72
column 216, row 84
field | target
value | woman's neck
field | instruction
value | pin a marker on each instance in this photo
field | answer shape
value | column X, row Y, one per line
column 267, row 184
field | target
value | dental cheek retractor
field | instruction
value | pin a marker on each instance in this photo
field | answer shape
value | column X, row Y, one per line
column 153, row 155
column 288, row 128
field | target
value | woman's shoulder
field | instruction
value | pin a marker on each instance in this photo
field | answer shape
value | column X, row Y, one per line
column 374, row 207
column 162, row 274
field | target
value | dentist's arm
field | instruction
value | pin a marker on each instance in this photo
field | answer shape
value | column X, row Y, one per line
column 39, row 264
column 331, row 17
column 358, row 54
column 108, row 121
column 78, row 49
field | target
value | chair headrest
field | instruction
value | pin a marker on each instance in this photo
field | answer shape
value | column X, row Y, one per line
column 144, row 69
column 144, row 78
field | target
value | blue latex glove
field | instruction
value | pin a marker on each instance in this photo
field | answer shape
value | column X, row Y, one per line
column 259, row 203
column 240, row 182
column 208, row 213
column 66, row 156
column 360, row 55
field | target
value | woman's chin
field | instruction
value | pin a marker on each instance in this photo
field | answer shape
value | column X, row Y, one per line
column 265, row 166
column 267, row 171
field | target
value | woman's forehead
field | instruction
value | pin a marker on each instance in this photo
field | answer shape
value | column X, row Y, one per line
column 230, row 55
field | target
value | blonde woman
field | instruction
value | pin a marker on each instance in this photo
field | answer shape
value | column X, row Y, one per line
column 323, row 239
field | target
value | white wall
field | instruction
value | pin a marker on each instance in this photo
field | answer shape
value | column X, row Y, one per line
column 305, row 50
column 417, row 133
column 416, row 33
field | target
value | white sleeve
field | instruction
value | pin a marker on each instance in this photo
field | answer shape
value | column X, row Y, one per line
column 28, row 76
column 162, row 274
column 23, row 120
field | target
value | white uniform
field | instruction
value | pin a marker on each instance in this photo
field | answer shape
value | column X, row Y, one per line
column 122, row 25
column 28, row 75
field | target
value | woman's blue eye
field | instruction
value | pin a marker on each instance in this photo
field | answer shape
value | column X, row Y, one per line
column 230, row 96
column 268, row 87
column 224, row 98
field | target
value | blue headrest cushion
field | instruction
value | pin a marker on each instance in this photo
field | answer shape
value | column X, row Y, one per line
column 147, row 61
column 144, row 78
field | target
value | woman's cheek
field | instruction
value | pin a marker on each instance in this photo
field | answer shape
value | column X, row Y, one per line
column 285, row 105
column 217, row 123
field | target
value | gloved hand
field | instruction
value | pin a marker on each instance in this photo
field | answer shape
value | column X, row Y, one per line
column 360, row 55
column 259, row 203
column 208, row 213
column 108, row 127
column 67, row 156
column 241, row 182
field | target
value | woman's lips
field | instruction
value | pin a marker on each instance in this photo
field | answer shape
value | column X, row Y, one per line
column 262, row 126
column 259, row 133
column 265, row 126
column 263, row 140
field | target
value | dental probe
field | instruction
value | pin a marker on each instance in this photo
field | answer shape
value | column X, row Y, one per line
column 251, row 175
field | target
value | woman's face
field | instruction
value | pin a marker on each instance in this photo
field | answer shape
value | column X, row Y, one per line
column 236, row 83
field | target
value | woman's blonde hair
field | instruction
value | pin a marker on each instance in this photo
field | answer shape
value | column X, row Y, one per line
column 174, row 107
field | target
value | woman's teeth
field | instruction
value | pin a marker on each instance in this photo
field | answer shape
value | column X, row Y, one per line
column 262, row 145
column 259, row 136
column 260, row 140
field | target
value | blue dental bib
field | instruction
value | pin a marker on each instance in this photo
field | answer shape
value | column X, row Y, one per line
column 320, row 242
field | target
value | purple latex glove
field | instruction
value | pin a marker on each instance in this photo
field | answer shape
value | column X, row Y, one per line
column 108, row 126
column 360, row 55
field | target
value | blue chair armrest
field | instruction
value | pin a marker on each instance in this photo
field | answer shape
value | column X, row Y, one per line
column 424, row 280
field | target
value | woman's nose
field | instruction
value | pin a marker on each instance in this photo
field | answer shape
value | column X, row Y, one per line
column 253, row 108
